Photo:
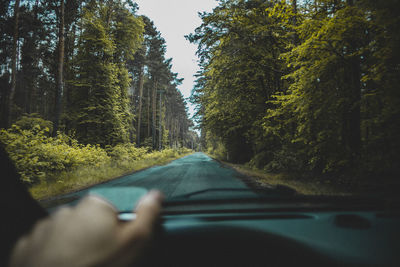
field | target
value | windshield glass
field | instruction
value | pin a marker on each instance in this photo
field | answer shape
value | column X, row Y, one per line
column 202, row 100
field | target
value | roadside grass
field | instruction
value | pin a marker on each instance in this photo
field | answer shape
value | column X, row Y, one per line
column 84, row 177
column 358, row 185
column 306, row 186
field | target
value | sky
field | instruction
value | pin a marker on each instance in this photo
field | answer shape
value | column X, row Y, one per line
column 175, row 19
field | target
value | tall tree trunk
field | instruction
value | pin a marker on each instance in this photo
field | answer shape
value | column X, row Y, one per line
column 154, row 110
column 354, row 115
column 70, row 47
column 175, row 132
column 59, row 79
column 32, row 95
column 141, row 82
column 148, row 110
column 159, row 125
column 13, row 64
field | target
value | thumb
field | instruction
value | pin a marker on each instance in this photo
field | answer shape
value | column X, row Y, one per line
column 147, row 215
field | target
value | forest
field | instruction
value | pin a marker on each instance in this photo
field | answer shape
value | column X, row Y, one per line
column 85, row 83
column 304, row 87
column 309, row 88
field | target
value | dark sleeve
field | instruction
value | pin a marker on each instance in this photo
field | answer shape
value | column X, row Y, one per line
column 19, row 211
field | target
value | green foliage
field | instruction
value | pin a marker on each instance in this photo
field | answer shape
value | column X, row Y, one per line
column 310, row 88
column 43, row 160
column 320, row 111
column 153, row 76
column 216, row 148
column 97, row 93
column 381, row 101
column 165, row 154
column 40, row 158
column 124, row 154
column 99, row 104
column 283, row 160
column 108, row 51
column 30, row 121
column 239, row 48
column 86, row 176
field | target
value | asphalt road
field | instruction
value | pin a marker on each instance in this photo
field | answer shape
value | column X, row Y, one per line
column 189, row 174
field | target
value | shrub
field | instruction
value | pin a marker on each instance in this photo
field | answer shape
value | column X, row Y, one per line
column 30, row 121
column 285, row 160
column 39, row 157
column 218, row 150
column 260, row 159
column 123, row 155
column 42, row 160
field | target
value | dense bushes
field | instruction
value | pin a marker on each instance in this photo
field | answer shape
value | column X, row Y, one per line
column 166, row 153
column 127, row 156
column 41, row 158
column 122, row 154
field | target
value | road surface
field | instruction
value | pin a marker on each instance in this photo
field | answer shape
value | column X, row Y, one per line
column 189, row 174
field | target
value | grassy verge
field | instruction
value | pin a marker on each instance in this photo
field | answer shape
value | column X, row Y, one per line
column 367, row 186
column 261, row 179
column 87, row 176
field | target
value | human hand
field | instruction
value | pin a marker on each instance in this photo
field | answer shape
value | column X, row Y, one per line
column 89, row 234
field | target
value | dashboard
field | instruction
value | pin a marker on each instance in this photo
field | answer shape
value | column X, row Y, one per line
column 272, row 235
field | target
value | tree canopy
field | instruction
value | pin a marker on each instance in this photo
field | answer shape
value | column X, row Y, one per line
column 87, row 66
column 304, row 87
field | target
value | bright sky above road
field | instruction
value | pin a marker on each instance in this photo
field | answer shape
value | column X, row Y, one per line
column 174, row 19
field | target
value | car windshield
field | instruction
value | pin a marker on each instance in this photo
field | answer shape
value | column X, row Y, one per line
column 235, row 100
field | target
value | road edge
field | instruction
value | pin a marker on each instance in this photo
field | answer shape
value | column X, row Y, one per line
column 44, row 201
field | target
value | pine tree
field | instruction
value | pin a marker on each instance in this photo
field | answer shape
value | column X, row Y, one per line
column 60, row 67
column 101, row 110
column 11, row 94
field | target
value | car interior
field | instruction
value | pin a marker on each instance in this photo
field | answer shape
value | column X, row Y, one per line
column 310, row 232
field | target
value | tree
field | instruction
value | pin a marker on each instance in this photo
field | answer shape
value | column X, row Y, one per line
column 322, row 103
column 101, row 113
column 156, row 54
column 90, row 67
column 60, row 68
column 239, row 54
column 13, row 63
column 156, row 88
column 380, row 98
column 308, row 86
